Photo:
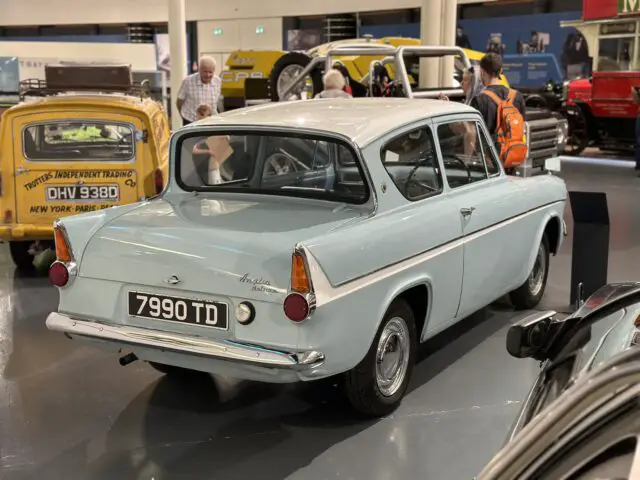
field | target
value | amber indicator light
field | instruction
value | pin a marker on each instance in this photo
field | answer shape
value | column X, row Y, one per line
column 63, row 253
column 299, row 275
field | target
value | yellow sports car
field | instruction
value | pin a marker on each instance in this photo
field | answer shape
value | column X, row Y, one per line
column 280, row 67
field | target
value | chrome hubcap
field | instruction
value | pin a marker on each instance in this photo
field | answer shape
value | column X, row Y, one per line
column 392, row 356
column 286, row 78
column 536, row 278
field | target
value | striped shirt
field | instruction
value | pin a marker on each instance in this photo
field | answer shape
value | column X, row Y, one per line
column 195, row 93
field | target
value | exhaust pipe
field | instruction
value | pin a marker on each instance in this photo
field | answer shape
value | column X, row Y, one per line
column 127, row 359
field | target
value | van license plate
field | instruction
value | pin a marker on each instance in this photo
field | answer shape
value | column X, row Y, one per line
column 179, row 309
column 63, row 193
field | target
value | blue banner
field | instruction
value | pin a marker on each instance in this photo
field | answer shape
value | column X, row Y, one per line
column 535, row 54
column 533, row 70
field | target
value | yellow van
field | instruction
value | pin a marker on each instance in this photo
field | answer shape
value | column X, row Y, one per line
column 73, row 148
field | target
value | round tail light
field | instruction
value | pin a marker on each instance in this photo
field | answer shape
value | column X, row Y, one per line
column 296, row 307
column 58, row 274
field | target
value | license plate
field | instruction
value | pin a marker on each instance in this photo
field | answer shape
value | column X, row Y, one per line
column 70, row 193
column 179, row 309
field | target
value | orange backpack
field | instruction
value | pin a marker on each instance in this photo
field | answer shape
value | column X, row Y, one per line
column 510, row 131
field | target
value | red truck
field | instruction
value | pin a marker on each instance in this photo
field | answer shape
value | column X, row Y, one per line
column 600, row 108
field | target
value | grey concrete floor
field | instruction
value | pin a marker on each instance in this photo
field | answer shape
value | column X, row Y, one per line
column 69, row 412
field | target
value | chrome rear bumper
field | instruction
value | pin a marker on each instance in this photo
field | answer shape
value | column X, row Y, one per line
column 227, row 350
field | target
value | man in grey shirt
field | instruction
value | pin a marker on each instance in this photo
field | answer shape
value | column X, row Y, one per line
column 334, row 84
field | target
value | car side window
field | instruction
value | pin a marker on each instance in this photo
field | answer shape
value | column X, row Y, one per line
column 462, row 153
column 412, row 163
column 490, row 159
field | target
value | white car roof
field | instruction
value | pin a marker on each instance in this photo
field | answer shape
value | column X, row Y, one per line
column 361, row 119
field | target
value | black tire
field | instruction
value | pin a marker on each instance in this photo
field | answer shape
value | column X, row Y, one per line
column 527, row 296
column 292, row 58
column 578, row 135
column 171, row 369
column 362, row 388
column 20, row 254
column 536, row 101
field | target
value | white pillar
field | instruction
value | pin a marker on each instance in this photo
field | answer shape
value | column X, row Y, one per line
column 431, row 34
column 178, row 52
column 449, row 23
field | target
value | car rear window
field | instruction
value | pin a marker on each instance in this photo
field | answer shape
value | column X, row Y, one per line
column 287, row 164
column 79, row 140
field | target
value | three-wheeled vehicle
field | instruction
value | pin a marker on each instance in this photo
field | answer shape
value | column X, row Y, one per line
column 581, row 419
column 546, row 132
column 84, row 139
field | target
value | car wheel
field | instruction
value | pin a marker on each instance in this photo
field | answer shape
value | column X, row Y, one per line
column 376, row 386
column 21, row 254
column 531, row 291
column 286, row 69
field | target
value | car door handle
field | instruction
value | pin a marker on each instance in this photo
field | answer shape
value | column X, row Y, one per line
column 466, row 211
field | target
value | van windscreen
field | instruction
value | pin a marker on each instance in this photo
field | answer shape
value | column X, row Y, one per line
column 81, row 140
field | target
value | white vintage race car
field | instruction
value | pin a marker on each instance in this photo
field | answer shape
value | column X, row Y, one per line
column 302, row 240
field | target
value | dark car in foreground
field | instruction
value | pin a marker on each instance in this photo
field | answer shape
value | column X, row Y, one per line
column 581, row 419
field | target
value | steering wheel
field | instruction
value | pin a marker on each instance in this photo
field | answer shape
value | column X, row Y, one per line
column 279, row 163
column 414, row 181
column 460, row 161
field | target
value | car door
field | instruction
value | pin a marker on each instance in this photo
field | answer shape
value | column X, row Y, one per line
column 485, row 200
column 425, row 223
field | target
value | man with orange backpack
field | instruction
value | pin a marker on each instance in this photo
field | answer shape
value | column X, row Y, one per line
column 503, row 110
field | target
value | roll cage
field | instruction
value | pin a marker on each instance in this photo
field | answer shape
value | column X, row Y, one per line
column 546, row 134
column 402, row 58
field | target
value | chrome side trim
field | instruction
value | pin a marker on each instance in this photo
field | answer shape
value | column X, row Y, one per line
column 227, row 350
column 326, row 292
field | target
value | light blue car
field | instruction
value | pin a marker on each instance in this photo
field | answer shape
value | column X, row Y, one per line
column 301, row 240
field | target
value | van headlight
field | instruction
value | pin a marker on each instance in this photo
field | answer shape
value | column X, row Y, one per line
column 565, row 90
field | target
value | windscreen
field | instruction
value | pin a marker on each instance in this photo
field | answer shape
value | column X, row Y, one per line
column 78, row 140
column 274, row 164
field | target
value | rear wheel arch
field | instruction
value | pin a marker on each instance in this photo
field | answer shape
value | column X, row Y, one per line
column 553, row 231
column 376, row 385
column 547, row 227
column 417, row 294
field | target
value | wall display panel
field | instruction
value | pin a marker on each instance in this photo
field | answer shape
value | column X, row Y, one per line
column 163, row 54
column 9, row 75
column 303, row 39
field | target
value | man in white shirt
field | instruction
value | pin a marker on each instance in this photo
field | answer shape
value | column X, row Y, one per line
column 200, row 88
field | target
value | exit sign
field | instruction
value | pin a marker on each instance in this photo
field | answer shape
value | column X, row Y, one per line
column 260, row 29
column 626, row 7
column 217, row 31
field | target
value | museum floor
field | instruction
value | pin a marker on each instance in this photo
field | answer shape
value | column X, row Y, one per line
column 70, row 412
